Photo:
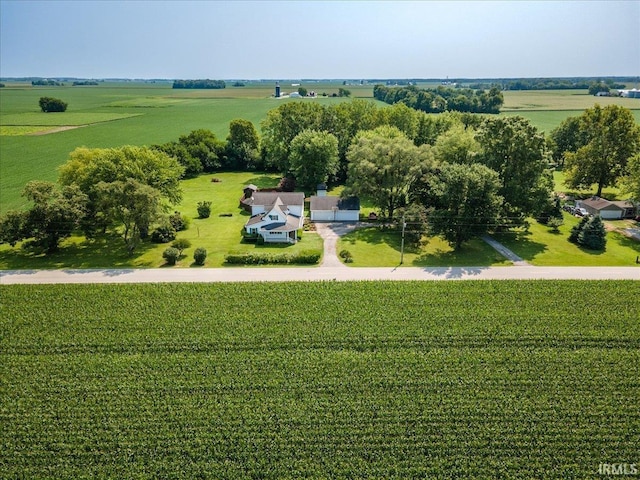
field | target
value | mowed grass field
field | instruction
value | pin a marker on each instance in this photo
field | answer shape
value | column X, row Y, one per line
column 508, row 379
column 219, row 234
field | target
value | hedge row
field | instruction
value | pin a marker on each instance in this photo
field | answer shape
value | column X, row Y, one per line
column 305, row 257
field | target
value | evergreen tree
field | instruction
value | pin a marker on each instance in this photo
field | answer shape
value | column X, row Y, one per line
column 593, row 235
column 577, row 229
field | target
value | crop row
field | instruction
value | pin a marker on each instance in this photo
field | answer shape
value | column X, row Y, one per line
column 144, row 382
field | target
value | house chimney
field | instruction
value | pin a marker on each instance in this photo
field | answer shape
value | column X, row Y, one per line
column 321, row 190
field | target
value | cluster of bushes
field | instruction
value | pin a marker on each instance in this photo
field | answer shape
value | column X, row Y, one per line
column 199, row 84
column 172, row 254
column 49, row 104
column 589, row 233
column 166, row 231
column 305, row 257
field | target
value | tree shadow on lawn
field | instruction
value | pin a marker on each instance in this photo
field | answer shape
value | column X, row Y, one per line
column 264, row 181
column 100, row 252
column 473, row 255
column 475, row 252
column 374, row 236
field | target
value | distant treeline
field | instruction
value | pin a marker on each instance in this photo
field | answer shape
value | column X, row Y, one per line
column 85, row 82
column 46, row 83
column 545, row 84
column 442, row 99
column 199, row 84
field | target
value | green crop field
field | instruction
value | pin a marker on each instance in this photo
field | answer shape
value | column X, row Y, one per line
column 114, row 114
column 118, row 114
column 510, row 379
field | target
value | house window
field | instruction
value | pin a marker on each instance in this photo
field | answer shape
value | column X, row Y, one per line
column 276, row 233
column 273, row 217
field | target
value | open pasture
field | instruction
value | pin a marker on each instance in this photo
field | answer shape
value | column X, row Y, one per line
column 341, row 380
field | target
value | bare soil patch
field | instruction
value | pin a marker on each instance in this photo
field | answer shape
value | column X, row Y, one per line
column 56, row 130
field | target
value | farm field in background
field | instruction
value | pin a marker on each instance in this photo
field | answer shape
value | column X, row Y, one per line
column 152, row 113
column 140, row 114
column 511, row 379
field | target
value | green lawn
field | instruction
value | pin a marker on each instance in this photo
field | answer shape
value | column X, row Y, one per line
column 374, row 247
column 539, row 246
column 319, row 380
column 219, row 235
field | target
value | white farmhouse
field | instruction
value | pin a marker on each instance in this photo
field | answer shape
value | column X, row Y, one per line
column 275, row 216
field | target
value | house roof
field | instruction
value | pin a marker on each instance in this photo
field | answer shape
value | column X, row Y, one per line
column 330, row 202
column 270, row 198
column 293, row 223
column 598, row 203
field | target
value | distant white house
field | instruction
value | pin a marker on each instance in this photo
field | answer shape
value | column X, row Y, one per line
column 608, row 210
column 330, row 208
column 275, row 216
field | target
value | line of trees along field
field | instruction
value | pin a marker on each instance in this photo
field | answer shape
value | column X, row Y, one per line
column 442, row 99
column 455, row 174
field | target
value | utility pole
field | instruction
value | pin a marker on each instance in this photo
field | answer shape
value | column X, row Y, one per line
column 404, row 225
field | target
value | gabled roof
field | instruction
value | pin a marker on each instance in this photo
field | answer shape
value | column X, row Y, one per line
column 330, row 202
column 270, row 198
column 598, row 203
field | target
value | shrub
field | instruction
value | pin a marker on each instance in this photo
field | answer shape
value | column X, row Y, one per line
column 181, row 244
column 178, row 221
column 204, row 209
column 171, row 255
column 163, row 234
column 554, row 223
column 49, row 104
column 199, row 256
column 346, row 256
column 306, row 257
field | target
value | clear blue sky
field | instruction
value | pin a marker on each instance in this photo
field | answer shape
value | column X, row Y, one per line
column 318, row 39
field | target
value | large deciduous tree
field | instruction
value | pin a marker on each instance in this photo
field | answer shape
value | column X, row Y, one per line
column 383, row 165
column 243, row 145
column 613, row 137
column 457, row 145
column 518, row 152
column 132, row 205
column 313, row 157
column 567, row 137
column 631, row 182
column 198, row 151
column 92, row 170
column 468, row 203
column 281, row 126
column 54, row 215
